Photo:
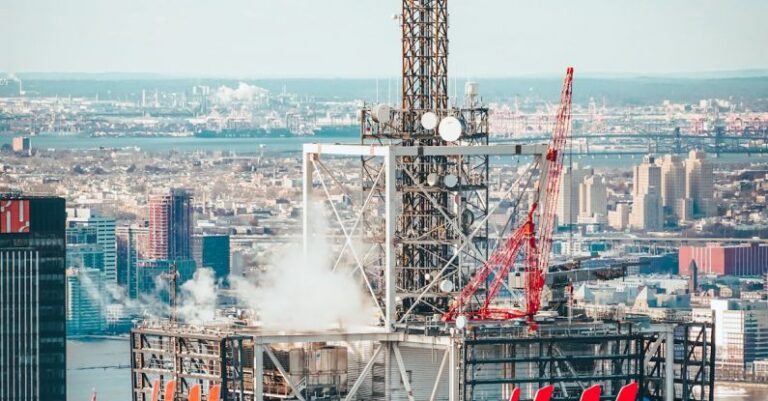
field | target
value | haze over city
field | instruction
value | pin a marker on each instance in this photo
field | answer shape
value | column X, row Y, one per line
column 383, row 200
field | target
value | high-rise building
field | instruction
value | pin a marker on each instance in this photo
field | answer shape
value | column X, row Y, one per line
column 646, row 177
column 85, row 306
column 132, row 244
column 699, row 184
column 105, row 237
column 32, row 298
column 672, row 187
column 593, row 200
column 567, row 210
column 170, row 242
column 83, row 250
column 215, row 254
column 741, row 330
column 170, row 226
column 22, row 145
column 197, row 249
column 618, row 219
column 647, row 211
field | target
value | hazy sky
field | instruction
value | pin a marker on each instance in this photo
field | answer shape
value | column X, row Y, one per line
column 358, row 38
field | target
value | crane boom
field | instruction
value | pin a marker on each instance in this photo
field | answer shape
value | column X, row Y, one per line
column 539, row 263
column 537, row 244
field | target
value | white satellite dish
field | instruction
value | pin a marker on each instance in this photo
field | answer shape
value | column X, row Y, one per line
column 450, row 180
column 381, row 113
column 433, row 179
column 461, row 322
column 446, row 286
column 450, row 129
column 429, row 120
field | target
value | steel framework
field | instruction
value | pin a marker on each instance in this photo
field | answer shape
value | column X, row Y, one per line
column 691, row 348
column 376, row 224
column 435, row 214
column 498, row 359
column 189, row 356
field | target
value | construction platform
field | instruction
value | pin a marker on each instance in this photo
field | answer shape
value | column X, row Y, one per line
column 429, row 362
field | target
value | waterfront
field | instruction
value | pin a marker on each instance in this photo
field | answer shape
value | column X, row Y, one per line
column 179, row 143
column 281, row 145
column 102, row 364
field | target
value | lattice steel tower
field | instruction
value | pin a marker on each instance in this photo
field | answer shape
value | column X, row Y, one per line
column 442, row 197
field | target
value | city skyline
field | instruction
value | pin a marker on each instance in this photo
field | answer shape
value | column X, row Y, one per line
column 303, row 38
column 476, row 227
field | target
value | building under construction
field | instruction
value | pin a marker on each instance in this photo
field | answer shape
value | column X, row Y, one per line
column 417, row 237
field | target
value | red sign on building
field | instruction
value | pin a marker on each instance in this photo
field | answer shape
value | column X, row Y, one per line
column 14, row 216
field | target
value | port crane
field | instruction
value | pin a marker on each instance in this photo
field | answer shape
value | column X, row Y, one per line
column 534, row 245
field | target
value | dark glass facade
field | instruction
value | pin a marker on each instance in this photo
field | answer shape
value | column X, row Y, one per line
column 32, row 299
column 216, row 254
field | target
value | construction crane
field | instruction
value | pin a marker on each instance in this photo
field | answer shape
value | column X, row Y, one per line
column 535, row 245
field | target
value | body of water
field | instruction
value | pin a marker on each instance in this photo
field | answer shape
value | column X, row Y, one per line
column 100, row 364
column 290, row 144
column 181, row 144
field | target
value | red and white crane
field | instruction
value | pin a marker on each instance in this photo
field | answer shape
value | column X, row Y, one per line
column 534, row 244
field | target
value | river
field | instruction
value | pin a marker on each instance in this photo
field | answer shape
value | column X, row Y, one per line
column 102, row 364
column 289, row 144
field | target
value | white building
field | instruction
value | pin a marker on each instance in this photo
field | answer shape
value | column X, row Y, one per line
column 741, row 332
column 593, row 200
column 105, row 236
column 699, row 184
column 619, row 219
column 567, row 210
column 672, row 186
column 647, row 211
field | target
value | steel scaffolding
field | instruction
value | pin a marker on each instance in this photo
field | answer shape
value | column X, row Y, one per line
column 190, row 356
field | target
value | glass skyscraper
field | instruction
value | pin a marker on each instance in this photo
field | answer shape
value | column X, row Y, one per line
column 32, row 298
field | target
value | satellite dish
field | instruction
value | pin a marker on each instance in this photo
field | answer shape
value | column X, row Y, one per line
column 381, row 113
column 433, row 179
column 461, row 322
column 450, row 129
column 450, row 180
column 429, row 120
column 446, row 286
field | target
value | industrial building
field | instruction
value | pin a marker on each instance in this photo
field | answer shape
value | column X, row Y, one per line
column 734, row 260
column 414, row 234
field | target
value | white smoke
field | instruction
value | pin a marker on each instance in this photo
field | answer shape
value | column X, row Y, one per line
column 243, row 93
column 149, row 305
column 198, row 298
column 91, row 289
column 302, row 293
